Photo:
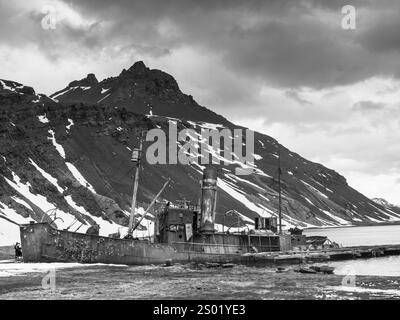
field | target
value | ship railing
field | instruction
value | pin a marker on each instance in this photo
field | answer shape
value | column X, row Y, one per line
column 149, row 238
column 219, row 248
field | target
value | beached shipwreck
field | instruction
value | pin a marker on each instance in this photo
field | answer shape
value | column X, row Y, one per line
column 184, row 233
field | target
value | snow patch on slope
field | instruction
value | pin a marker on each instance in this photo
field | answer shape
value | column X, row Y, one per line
column 240, row 197
column 43, row 119
column 336, row 218
column 71, row 123
column 48, row 177
column 79, row 177
column 310, row 187
column 58, row 146
column 39, row 201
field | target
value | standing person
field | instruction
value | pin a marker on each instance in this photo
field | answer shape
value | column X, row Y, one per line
column 18, row 251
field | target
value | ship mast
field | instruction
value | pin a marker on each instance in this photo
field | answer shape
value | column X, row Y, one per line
column 151, row 204
column 279, row 189
column 136, row 157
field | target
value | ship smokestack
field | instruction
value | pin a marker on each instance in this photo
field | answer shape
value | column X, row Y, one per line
column 208, row 199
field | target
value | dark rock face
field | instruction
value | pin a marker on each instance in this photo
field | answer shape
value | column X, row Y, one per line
column 26, row 145
column 93, row 130
column 393, row 209
column 89, row 81
column 10, row 88
column 138, row 68
column 137, row 89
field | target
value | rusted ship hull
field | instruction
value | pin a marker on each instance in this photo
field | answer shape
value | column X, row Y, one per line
column 184, row 234
column 42, row 243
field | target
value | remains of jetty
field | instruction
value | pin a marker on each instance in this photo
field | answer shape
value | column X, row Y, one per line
column 345, row 253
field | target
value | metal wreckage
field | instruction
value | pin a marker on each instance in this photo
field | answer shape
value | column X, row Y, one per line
column 186, row 233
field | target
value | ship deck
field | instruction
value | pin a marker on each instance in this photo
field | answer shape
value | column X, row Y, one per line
column 42, row 243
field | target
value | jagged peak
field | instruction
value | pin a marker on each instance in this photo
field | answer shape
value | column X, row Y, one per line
column 89, row 81
column 8, row 83
column 138, row 67
column 92, row 77
column 382, row 202
column 385, row 203
column 16, row 87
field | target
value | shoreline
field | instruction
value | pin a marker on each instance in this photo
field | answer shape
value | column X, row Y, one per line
column 394, row 223
column 181, row 282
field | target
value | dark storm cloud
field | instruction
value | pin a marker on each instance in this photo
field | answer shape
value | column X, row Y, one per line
column 21, row 27
column 284, row 43
column 384, row 36
column 260, row 61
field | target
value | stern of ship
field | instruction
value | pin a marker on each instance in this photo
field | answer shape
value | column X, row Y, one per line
column 33, row 237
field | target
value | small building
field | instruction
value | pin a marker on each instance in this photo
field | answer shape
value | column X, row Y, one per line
column 320, row 242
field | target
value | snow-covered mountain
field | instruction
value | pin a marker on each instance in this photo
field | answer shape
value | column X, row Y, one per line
column 137, row 89
column 68, row 156
column 392, row 208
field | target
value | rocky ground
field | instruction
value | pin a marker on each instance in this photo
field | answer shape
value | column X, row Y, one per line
column 190, row 282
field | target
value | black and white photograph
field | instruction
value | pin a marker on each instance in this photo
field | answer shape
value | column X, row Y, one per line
column 218, row 151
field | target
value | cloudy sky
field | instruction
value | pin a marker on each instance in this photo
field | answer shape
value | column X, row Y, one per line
column 287, row 68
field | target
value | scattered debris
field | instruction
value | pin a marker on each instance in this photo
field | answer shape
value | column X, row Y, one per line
column 168, row 263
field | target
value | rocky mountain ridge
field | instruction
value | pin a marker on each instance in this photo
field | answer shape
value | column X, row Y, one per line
column 67, row 157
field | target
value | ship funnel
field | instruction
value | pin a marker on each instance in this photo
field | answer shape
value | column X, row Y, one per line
column 208, row 199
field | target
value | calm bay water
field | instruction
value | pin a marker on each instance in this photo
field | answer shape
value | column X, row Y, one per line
column 358, row 236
